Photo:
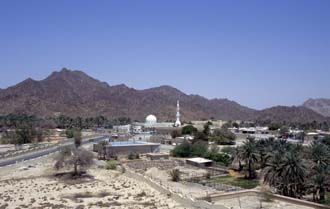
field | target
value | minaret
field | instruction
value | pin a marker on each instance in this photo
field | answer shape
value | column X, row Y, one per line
column 177, row 122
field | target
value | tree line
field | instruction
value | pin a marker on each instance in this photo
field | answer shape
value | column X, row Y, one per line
column 22, row 128
column 275, row 125
column 290, row 169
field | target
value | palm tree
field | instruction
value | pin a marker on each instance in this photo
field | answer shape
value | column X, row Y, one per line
column 320, row 170
column 319, row 182
column 319, row 154
column 294, row 171
column 250, row 156
column 237, row 161
column 272, row 170
column 287, row 173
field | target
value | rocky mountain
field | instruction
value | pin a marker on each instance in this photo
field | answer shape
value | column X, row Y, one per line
column 290, row 114
column 321, row 106
column 76, row 94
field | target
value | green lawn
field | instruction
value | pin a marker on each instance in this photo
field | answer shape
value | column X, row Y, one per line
column 239, row 182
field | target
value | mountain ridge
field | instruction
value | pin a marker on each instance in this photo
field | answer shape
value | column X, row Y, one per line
column 319, row 105
column 76, row 94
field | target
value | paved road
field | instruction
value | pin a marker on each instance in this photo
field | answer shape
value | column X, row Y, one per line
column 40, row 153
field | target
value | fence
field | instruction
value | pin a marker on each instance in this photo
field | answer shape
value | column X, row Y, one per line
column 175, row 193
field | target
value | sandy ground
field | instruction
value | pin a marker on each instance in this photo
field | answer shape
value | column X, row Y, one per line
column 253, row 202
column 32, row 185
column 189, row 190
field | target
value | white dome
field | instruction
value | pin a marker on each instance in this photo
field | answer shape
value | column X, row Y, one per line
column 151, row 119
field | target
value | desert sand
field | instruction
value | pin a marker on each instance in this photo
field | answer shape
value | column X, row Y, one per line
column 34, row 186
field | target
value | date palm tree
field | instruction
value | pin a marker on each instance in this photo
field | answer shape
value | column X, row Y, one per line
column 294, row 171
column 287, row 173
column 320, row 171
column 249, row 154
column 319, row 182
column 272, row 170
column 319, row 154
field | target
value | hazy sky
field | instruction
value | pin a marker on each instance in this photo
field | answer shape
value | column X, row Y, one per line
column 258, row 53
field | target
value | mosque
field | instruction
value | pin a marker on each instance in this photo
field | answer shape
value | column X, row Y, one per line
column 151, row 120
column 151, row 124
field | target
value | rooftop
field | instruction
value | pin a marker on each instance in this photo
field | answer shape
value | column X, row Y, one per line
column 199, row 160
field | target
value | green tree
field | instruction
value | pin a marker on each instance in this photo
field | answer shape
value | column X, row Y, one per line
column 223, row 137
column 200, row 136
column 274, row 126
column 182, row 150
column 207, row 129
column 69, row 133
column 25, row 133
column 286, row 173
column 189, row 129
column 235, row 125
column 319, row 182
column 248, row 153
column 77, row 158
column 77, row 137
column 319, row 154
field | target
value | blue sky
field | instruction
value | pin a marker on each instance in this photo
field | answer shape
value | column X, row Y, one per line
column 258, row 53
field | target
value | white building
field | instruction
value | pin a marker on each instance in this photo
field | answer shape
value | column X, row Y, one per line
column 151, row 120
column 123, row 129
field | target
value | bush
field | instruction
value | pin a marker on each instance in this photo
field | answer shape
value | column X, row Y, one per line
column 274, row 126
column 201, row 150
column 74, row 157
column 189, row 150
column 200, row 136
column 133, row 156
column 189, row 129
column 9, row 138
column 77, row 137
column 111, row 165
column 198, row 150
column 223, row 137
column 175, row 175
column 69, row 133
column 229, row 150
column 183, row 150
column 219, row 158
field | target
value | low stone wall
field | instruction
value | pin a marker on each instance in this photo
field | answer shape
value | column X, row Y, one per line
column 246, row 193
column 126, row 150
column 186, row 202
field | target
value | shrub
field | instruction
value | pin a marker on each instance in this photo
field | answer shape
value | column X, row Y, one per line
column 229, row 150
column 274, row 126
column 69, row 133
column 183, row 150
column 111, row 165
column 198, row 150
column 74, row 157
column 175, row 175
column 220, row 158
column 223, row 137
column 200, row 136
column 133, row 156
column 201, row 150
column 189, row 129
